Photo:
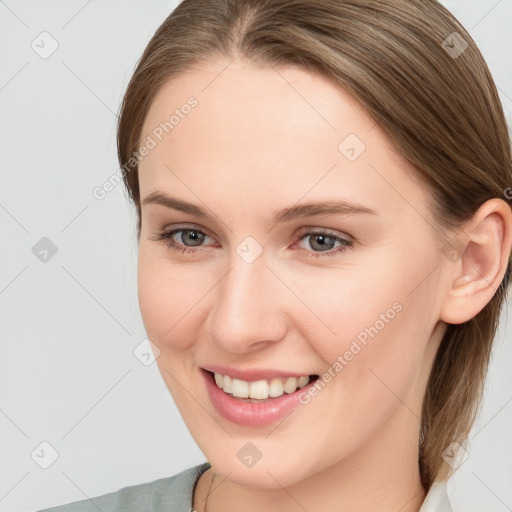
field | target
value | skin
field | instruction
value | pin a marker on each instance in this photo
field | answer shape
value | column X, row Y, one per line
column 260, row 140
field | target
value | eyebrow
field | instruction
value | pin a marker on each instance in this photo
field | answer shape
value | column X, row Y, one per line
column 280, row 216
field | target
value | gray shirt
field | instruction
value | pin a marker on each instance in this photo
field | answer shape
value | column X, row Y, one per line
column 175, row 494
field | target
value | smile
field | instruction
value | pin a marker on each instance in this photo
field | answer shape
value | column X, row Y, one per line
column 260, row 389
column 262, row 402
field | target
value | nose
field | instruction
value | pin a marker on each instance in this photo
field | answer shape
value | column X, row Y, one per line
column 249, row 310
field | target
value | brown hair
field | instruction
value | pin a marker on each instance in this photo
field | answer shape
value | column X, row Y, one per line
column 432, row 96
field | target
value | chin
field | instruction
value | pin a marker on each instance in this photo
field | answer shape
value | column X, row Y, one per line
column 261, row 476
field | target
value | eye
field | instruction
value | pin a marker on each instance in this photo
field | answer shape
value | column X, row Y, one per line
column 189, row 240
column 325, row 241
column 188, row 235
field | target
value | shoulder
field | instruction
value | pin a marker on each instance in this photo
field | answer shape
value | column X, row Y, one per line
column 165, row 494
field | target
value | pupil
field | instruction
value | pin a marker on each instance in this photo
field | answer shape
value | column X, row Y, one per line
column 321, row 241
column 194, row 236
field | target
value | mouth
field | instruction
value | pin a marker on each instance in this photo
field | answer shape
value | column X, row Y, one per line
column 256, row 407
column 259, row 391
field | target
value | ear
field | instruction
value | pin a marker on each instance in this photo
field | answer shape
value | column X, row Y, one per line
column 478, row 256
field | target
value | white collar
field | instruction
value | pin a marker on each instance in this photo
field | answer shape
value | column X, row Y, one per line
column 437, row 499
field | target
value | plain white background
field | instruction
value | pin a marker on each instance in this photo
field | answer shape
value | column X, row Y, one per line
column 69, row 325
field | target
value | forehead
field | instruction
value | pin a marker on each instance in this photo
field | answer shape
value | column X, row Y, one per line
column 242, row 94
column 286, row 128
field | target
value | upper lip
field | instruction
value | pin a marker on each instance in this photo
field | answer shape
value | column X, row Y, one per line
column 252, row 374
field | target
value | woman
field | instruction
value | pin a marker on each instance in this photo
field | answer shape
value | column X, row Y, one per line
column 325, row 231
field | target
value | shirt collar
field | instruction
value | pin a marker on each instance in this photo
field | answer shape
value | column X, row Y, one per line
column 437, row 499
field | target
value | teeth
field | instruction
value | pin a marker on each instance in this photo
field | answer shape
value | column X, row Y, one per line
column 240, row 388
column 276, row 388
column 219, row 379
column 227, row 384
column 260, row 389
column 290, row 385
column 303, row 381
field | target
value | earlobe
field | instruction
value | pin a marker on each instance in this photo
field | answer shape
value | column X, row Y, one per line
column 479, row 256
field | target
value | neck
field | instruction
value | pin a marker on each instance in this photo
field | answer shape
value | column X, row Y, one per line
column 383, row 475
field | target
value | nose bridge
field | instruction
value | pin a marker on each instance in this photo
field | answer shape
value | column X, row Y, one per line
column 246, row 310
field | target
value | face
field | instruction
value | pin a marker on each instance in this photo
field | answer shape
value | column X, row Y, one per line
column 350, row 295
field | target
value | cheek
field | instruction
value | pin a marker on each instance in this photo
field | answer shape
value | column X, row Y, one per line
column 169, row 300
column 334, row 307
column 369, row 329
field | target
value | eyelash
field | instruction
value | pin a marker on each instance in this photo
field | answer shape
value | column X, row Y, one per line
column 166, row 238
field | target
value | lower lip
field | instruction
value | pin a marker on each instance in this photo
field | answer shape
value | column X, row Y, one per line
column 248, row 413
